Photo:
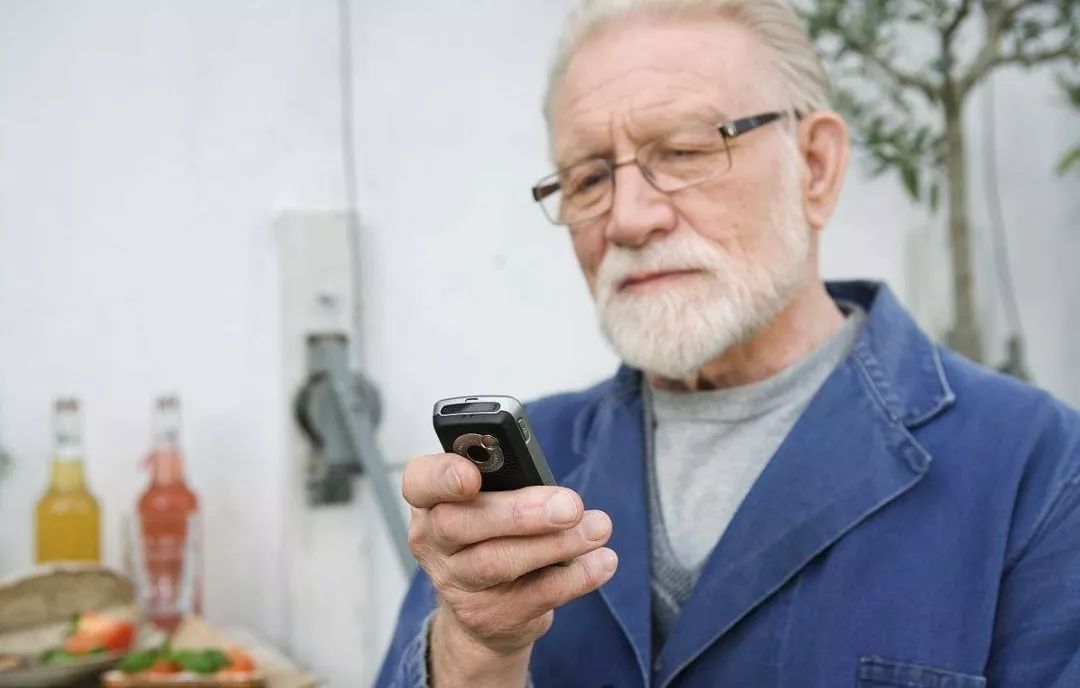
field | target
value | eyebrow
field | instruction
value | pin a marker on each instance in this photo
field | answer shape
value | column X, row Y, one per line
column 584, row 148
column 643, row 124
column 581, row 155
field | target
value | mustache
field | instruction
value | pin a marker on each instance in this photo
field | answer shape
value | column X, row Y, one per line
column 671, row 255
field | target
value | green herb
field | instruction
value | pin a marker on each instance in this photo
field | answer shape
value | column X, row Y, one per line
column 138, row 660
column 201, row 661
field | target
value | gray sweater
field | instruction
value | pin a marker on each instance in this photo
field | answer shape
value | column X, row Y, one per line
column 705, row 450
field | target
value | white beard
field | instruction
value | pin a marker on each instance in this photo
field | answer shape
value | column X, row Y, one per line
column 674, row 331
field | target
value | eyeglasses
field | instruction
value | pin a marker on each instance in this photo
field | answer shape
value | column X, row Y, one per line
column 679, row 160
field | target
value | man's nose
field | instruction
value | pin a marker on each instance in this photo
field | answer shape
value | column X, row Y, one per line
column 638, row 210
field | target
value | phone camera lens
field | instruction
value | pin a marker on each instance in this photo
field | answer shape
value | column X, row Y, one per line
column 478, row 453
column 482, row 450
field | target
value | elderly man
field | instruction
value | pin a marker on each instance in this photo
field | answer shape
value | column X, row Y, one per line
column 788, row 485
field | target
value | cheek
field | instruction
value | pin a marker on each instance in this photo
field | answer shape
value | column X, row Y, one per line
column 589, row 245
column 721, row 213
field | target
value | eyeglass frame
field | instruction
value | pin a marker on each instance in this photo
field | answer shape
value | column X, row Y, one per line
column 729, row 130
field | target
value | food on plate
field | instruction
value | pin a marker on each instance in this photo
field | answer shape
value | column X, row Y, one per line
column 92, row 634
column 204, row 662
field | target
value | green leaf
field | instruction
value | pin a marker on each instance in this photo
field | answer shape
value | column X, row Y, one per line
column 910, row 177
column 201, row 661
column 56, row 656
column 1071, row 159
column 138, row 660
column 1030, row 29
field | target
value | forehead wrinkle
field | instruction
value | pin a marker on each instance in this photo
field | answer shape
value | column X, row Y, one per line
column 652, row 73
column 593, row 117
column 674, row 111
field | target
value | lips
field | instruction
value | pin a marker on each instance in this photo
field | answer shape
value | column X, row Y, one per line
column 642, row 278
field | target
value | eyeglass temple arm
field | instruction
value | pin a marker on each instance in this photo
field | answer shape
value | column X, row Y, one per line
column 542, row 191
column 741, row 126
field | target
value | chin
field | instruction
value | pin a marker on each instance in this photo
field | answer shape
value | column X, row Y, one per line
column 673, row 332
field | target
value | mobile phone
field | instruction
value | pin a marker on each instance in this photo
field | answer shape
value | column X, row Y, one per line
column 493, row 433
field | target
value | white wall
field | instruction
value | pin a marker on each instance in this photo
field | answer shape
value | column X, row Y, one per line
column 145, row 151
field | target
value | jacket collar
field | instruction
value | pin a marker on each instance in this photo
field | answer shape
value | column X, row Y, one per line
column 904, row 365
column 849, row 455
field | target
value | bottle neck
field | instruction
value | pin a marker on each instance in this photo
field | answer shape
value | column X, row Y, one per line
column 67, row 463
column 67, row 473
column 166, row 465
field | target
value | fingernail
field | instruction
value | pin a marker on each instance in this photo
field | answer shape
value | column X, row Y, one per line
column 608, row 560
column 561, row 508
column 453, row 482
column 595, row 526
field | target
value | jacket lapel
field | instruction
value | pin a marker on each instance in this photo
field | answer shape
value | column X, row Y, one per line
column 612, row 479
column 848, row 456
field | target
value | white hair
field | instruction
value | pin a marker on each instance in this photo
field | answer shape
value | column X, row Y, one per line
column 796, row 63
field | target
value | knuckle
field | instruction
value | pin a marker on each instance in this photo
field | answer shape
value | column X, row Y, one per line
column 519, row 513
column 552, row 591
column 587, row 577
column 490, row 566
column 417, row 538
column 409, row 478
column 443, row 522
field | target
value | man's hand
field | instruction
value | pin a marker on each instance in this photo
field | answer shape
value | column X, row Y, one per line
column 489, row 557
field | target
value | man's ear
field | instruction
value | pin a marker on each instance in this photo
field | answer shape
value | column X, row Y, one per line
column 824, row 144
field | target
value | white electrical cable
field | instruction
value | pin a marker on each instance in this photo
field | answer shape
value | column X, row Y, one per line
column 349, row 176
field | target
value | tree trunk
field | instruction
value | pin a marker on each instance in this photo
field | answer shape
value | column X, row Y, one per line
column 964, row 336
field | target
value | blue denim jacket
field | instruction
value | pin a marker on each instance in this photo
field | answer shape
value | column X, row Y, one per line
column 919, row 527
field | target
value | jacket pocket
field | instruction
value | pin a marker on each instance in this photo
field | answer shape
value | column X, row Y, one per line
column 875, row 672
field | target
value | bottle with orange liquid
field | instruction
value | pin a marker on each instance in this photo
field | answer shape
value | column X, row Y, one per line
column 168, row 529
column 67, row 518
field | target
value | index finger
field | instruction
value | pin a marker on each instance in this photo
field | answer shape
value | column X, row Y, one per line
column 431, row 480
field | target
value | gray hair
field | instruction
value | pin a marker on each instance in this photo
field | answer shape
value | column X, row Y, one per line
column 796, row 62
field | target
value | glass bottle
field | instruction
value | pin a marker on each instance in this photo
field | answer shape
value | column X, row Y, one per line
column 67, row 517
column 168, row 527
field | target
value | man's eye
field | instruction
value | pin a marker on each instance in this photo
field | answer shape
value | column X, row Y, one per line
column 587, row 182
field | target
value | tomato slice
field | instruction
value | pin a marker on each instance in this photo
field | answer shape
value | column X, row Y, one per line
column 94, row 631
column 81, row 644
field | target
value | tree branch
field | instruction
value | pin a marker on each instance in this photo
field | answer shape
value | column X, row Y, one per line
column 900, row 76
column 950, row 30
column 1069, row 49
column 996, row 21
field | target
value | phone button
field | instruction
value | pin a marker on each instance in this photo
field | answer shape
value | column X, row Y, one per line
column 524, row 429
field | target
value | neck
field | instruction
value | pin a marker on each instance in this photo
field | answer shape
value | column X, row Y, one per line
column 808, row 320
